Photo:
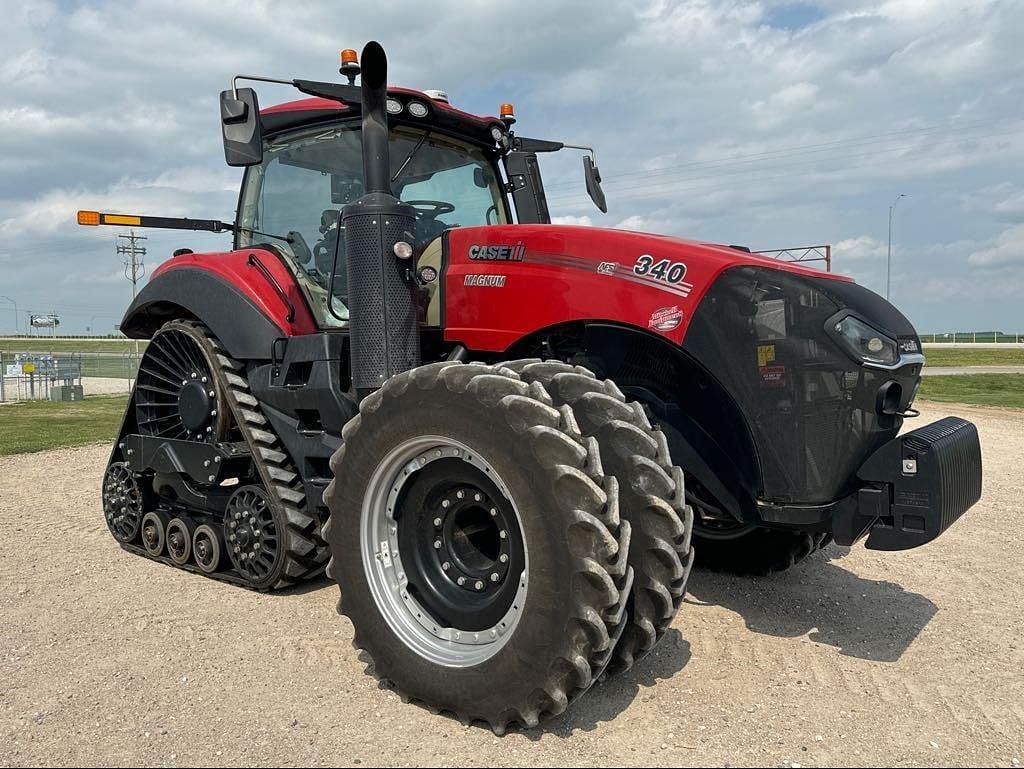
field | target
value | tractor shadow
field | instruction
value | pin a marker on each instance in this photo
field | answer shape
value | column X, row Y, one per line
column 610, row 697
column 874, row 620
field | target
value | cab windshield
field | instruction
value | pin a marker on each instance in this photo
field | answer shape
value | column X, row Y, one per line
column 293, row 199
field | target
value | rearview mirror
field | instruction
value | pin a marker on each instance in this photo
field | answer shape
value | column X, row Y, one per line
column 240, row 124
column 593, row 180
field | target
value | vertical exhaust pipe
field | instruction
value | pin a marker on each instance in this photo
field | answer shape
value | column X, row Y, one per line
column 379, row 230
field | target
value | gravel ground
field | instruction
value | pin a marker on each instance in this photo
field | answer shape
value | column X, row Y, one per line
column 856, row 657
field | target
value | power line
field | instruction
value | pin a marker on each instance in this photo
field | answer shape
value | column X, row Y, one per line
column 134, row 268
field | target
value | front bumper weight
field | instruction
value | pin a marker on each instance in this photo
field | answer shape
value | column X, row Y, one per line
column 917, row 485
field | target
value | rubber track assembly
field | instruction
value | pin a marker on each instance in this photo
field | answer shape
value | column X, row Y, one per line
column 305, row 552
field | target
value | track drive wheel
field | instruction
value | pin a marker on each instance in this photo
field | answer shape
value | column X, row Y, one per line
column 651, row 497
column 477, row 544
column 178, row 393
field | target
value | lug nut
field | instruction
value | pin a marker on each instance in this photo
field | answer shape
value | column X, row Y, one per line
column 437, row 544
column 494, row 512
column 503, row 558
column 477, row 497
column 445, row 503
column 460, row 493
column 494, row 576
column 252, row 521
column 461, row 580
column 437, row 521
column 503, row 534
column 479, row 585
column 446, row 565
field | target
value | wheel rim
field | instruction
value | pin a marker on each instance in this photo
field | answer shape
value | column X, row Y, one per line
column 176, row 393
column 414, row 521
column 252, row 533
column 122, row 502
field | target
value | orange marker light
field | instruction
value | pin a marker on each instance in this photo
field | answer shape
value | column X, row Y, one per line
column 89, row 218
column 349, row 56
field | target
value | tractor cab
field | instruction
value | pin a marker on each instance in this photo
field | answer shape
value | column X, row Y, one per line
column 304, row 164
column 292, row 200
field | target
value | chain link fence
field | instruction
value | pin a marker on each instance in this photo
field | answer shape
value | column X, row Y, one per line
column 64, row 376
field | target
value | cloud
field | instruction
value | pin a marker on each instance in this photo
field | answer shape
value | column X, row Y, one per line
column 1008, row 249
column 766, row 123
column 859, row 248
column 579, row 221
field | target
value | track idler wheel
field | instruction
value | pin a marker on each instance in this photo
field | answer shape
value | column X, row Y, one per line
column 154, row 527
column 179, row 540
column 477, row 544
column 207, row 545
column 123, row 502
column 253, row 529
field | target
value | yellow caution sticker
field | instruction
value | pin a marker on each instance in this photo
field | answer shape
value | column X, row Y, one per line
column 28, row 368
column 765, row 354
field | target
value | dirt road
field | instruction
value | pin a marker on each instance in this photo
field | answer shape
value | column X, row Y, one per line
column 862, row 658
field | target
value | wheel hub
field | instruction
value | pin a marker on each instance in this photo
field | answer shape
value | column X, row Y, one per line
column 472, row 545
column 194, row 405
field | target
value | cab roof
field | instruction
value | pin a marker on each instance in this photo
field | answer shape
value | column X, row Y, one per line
column 316, row 109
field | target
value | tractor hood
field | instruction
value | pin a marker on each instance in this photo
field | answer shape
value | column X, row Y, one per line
column 563, row 273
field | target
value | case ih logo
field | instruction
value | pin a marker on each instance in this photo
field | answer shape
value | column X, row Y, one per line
column 666, row 319
column 486, row 281
column 514, row 253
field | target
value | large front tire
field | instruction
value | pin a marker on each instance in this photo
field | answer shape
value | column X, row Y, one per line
column 520, row 648
column 651, row 497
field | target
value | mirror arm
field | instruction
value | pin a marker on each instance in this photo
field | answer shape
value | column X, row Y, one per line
column 260, row 78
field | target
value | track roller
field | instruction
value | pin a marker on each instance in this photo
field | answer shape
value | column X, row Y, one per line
column 154, row 527
column 179, row 540
column 207, row 546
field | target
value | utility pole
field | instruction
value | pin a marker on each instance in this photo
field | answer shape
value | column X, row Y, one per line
column 888, row 259
column 134, row 270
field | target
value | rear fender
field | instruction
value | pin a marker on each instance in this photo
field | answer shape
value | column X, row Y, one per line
column 235, row 299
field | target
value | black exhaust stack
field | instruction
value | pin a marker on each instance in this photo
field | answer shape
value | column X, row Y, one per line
column 383, row 321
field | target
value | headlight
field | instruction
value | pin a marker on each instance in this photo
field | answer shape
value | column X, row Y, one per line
column 394, row 106
column 417, row 109
column 867, row 343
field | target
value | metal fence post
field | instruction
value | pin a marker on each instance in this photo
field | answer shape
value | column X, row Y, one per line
column 3, row 376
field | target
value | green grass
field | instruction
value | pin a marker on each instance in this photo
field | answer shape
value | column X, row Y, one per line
column 40, row 425
column 973, row 356
column 977, row 389
column 45, row 344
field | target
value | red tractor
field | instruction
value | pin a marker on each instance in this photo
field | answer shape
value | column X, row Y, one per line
column 504, row 531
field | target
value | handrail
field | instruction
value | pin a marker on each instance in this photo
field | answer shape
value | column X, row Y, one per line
column 254, row 261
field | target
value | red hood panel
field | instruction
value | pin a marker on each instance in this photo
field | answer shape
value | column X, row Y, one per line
column 504, row 282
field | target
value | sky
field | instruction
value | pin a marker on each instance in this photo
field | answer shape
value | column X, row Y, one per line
column 768, row 124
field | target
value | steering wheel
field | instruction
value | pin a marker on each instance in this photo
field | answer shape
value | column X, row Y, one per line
column 430, row 208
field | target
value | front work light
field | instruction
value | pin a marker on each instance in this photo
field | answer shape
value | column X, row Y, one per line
column 866, row 343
